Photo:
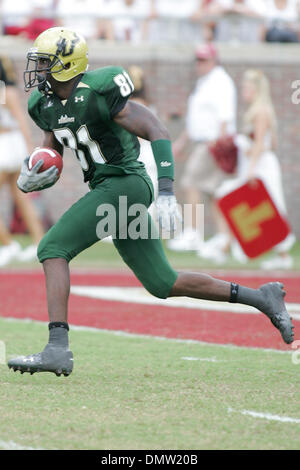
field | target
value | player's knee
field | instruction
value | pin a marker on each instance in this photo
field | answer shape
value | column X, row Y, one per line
column 159, row 287
column 41, row 249
column 155, row 290
column 51, row 248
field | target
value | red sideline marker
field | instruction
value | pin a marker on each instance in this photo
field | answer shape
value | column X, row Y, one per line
column 253, row 218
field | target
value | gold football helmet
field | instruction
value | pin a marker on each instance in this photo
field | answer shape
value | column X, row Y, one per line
column 60, row 52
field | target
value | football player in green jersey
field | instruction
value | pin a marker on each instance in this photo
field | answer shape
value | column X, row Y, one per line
column 91, row 113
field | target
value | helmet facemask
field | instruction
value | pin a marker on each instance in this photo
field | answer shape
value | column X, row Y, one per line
column 32, row 75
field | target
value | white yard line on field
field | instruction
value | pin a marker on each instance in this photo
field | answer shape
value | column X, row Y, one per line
column 148, row 337
column 11, row 445
column 202, row 359
column 141, row 296
column 267, row 416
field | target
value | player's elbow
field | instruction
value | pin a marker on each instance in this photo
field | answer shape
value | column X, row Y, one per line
column 159, row 131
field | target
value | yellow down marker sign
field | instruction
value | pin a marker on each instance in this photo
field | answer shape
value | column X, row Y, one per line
column 248, row 220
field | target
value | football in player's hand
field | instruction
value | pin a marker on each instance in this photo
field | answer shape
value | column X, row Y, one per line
column 49, row 156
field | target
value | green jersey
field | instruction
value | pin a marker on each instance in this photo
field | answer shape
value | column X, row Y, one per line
column 84, row 123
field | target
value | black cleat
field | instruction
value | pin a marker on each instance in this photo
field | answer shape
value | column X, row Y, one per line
column 276, row 310
column 54, row 359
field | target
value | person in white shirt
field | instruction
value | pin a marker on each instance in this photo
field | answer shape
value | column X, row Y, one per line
column 243, row 7
column 90, row 18
column 224, row 20
column 211, row 113
column 238, row 20
column 281, row 21
column 257, row 155
column 130, row 19
column 176, row 8
column 79, row 15
column 176, row 18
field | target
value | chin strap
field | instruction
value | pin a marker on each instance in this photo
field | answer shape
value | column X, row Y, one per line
column 44, row 87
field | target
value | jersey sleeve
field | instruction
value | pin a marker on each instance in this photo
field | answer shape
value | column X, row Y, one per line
column 34, row 110
column 7, row 72
column 115, row 85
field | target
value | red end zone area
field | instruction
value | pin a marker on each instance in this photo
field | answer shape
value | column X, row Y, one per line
column 23, row 295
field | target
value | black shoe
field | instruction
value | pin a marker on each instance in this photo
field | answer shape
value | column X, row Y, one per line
column 276, row 310
column 58, row 360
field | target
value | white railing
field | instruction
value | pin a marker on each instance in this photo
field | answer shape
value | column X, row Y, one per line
column 230, row 27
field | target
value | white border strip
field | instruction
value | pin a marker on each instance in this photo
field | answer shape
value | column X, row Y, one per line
column 268, row 416
column 141, row 336
column 123, row 271
column 138, row 295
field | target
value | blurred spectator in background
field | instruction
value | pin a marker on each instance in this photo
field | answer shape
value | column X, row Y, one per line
column 90, row 18
column 238, row 20
column 257, row 156
column 207, row 14
column 282, row 21
column 211, row 113
column 172, row 21
column 15, row 16
column 42, row 17
column 28, row 17
column 15, row 144
column 158, row 20
column 130, row 19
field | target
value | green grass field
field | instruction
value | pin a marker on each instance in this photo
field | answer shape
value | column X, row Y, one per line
column 130, row 392
column 138, row 393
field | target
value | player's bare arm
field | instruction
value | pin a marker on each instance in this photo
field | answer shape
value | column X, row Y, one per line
column 140, row 120
column 51, row 142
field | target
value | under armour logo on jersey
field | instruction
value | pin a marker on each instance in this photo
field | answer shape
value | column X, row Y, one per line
column 79, row 98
